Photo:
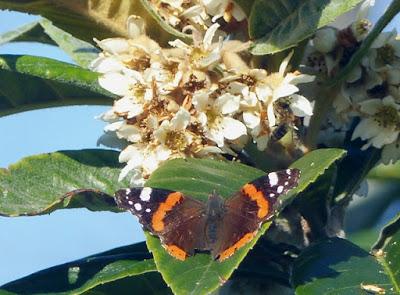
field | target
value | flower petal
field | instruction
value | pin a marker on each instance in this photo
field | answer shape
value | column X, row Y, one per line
column 209, row 35
column 232, row 129
column 136, row 26
column 114, row 46
column 201, row 101
column 251, row 119
column 300, row 106
column 116, row 83
column 271, row 115
column 227, row 103
column 106, row 64
column 129, row 132
column 181, row 120
column 284, row 90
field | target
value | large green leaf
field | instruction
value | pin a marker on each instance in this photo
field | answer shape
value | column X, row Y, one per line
column 81, row 275
column 29, row 82
column 44, row 31
column 337, row 266
column 387, row 251
column 280, row 24
column 149, row 283
column 93, row 19
column 200, row 274
column 364, row 238
column 66, row 179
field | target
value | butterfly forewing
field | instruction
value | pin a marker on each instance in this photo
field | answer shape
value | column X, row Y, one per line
column 178, row 220
column 255, row 203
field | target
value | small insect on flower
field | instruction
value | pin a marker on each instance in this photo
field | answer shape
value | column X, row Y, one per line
column 221, row 226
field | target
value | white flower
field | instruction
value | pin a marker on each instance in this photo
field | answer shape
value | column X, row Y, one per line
column 381, row 124
column 172, row 134
column 215, row 116
column 272, row 87
column 141, row 161
column 384, row 51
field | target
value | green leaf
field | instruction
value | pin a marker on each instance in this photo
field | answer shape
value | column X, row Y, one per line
column 84, row 274
column 66, row 179
column 280, row 24
column 83, row 53
column 386, row 172
column 150, row 283
column 312, row 166
column 363, row 238
column 93, row 19
column 387, row 251
column 32, row 32
column 46, row 83
column 200, row 274
column 80, row 51
column 337, row 266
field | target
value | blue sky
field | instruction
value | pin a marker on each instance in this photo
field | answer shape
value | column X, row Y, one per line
column 29, row 244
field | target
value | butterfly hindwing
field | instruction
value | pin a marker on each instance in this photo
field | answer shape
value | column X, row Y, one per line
column 255, row 203
column 178, row 220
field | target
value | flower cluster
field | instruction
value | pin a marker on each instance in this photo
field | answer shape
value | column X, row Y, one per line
column 200, row 100
column 369, row 99
column 198, row 15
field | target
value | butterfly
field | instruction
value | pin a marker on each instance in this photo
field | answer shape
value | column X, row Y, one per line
column 221, row 226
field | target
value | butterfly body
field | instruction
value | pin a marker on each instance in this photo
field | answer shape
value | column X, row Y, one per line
column 219, row 225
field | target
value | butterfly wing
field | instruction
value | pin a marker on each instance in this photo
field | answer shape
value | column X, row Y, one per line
column 255, row 203
column 178, row 220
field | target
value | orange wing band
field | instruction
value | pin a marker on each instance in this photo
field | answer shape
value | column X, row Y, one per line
column 176, row 252
column 157, row 221
column 257, row 196
column 239, row 244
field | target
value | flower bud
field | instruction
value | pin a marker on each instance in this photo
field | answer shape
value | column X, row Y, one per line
column 325, row 40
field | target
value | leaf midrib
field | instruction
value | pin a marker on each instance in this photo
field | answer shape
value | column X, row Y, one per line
column 389, row 272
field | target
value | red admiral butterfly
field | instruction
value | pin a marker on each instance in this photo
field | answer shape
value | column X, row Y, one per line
column 220, row 226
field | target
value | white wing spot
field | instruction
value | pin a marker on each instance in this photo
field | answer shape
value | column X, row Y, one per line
column 288, row 171
column 130, row 202
column 273, row 178
column 272, row 195
column 128, row 191
column 279, row 189
column 148, row 210
column 286, row 182
column 126, row 197
column 138, row 207
column 145, row 194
